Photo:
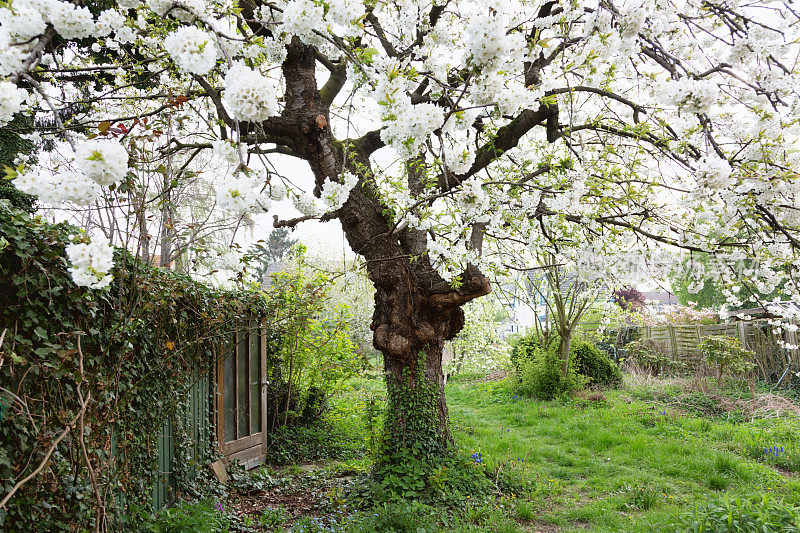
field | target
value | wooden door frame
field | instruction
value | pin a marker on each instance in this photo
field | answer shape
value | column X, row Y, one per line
column 249, row 450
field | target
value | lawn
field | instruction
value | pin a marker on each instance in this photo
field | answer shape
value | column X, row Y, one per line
column 625, row 463
column 633, row 459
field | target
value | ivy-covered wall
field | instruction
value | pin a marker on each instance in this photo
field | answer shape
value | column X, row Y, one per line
column 88, row 378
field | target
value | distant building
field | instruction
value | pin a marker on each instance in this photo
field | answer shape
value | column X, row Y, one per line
column 659, row 302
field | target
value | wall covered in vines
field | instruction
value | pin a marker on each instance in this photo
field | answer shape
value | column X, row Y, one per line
column 87, row 377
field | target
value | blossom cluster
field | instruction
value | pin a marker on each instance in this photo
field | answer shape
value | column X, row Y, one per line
column 307, row 204
column 104, row 161
column 715, row 172
column 192, row 49
column 226, row 151
column 185, row 10
column 489, row 44
column 59, row 187
column 11, row 99
column 91, row 263
column 240, row 194
column 336, row 193
column 406, row 126
column 249, row 95
column 100, row 162
column 693, row 96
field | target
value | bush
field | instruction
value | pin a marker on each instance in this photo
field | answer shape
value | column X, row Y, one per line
column 525, row 348
column 650, row 356
column 735, row 514
column 407, row 477
column 595, row 365
column 725, row 354
column 540, row 377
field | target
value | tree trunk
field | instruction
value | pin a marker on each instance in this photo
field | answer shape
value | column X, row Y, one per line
column 564, row 346
column 416, row 310
column 411, row 334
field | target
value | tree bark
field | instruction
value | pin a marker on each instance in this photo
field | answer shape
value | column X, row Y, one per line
column 564, row 345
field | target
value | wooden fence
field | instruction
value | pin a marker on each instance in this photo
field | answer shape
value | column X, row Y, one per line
column 682, row 341
column 758, row 336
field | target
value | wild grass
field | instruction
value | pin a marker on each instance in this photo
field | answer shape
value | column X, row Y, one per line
column 627, row 464
column 648, row 457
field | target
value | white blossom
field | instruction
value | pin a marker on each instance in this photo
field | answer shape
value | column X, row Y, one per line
column 715, row 172
column 192, row 49
column 91, row 263
column 56, row 188
column 249, row 95
column 307, row 204
column 22, row 21
column 72, row 22
column 11, row 98
column 693, row 96
column 301, row 18
column 104, row 161
column 488, row 41
column 109, row 20
column 344, row 12
column 277, row 190
column 335, row 194
column 226, row 150
column 12, row 56
column 184, row 10
column 240, row 194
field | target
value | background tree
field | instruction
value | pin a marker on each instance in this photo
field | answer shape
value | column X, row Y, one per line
column 271, row 251
column 628, row 298
column 567, row 297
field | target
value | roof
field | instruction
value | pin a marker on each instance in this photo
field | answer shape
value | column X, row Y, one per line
column 662, row 297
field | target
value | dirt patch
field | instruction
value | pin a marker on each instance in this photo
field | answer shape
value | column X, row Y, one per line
column 500, row 375
column 296, row 498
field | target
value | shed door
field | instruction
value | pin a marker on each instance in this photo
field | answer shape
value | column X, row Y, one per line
column 241, row 397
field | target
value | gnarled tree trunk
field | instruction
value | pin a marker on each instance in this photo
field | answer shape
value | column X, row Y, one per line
column 416, row 310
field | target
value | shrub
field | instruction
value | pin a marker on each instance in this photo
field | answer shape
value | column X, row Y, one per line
column 540, row 377
column 525, row 347
column 406, row 477
column 726, row 354
column 595, row 365
column 650, row 356
column 736, row 514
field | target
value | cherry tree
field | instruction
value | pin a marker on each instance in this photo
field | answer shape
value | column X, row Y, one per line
column 452, row 139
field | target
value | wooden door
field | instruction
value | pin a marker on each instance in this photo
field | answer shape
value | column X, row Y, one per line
column 241, row 402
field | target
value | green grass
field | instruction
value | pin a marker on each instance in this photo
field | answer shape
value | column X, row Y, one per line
column 630, row 464
column 617, row 467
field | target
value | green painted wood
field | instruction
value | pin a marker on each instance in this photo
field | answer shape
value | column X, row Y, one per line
column 197, row 424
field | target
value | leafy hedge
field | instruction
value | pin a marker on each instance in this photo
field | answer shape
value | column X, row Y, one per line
column 130, row 349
